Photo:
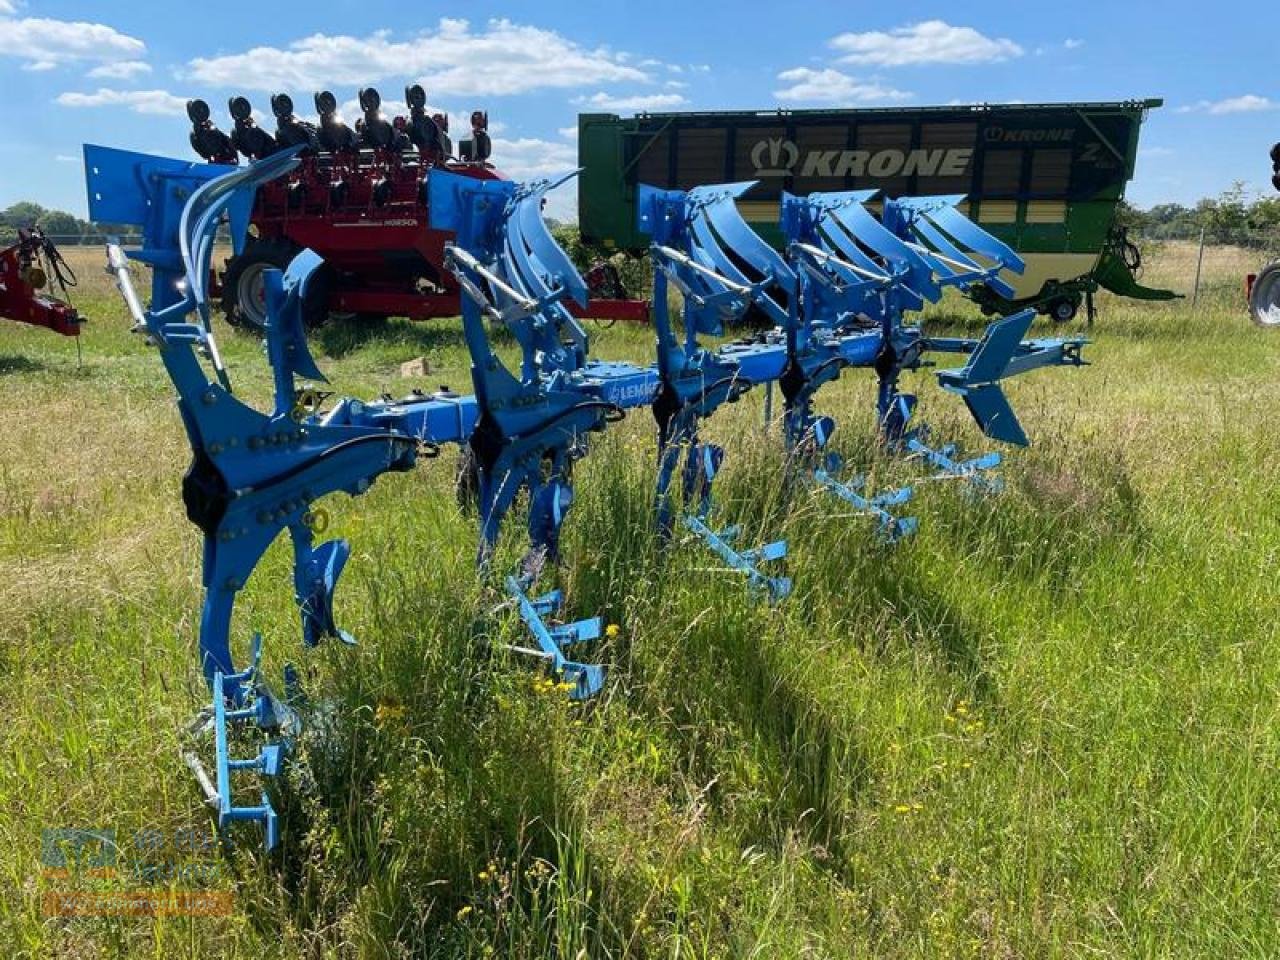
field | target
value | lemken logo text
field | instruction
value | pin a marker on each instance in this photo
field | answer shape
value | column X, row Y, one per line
column 774, row 157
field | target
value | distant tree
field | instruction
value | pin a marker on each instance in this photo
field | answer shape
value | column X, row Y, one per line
column 1231, row 217
column 1129, row 216
column 21, row 214
column 65, row 226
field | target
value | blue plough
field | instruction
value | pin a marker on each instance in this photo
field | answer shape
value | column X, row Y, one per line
column 836, row 298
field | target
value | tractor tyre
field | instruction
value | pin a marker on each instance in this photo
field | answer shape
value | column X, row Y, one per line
column 1264, row 298
column 244, row 291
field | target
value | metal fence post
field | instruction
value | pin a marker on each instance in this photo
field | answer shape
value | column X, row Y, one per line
column 1195, row 290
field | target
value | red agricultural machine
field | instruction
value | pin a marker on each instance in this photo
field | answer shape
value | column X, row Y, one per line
column 26, row 268
column 359, row 199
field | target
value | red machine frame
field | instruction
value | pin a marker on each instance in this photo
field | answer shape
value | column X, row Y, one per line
column 22, row 277
column 364, row 210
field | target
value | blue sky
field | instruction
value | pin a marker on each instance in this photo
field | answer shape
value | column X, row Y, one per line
column 119, row 73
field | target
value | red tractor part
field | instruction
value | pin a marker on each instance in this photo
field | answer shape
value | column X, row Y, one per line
column 25, row 269
column 359, row 199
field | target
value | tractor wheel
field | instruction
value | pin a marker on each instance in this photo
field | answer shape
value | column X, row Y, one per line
column 1264, row 299
column 244, row 291
column 1063, row 310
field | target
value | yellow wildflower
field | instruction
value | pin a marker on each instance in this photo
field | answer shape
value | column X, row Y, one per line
column 902, row 808
column 612, row 631
column 462, row 914
column 386, row 712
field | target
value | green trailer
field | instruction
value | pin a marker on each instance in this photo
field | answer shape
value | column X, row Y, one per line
column 1045, row 178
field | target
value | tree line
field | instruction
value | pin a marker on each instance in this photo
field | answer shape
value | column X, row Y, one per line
column 68, row 229
column 1231, row 217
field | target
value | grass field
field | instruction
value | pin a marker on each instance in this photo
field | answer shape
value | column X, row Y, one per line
column 1047, row 726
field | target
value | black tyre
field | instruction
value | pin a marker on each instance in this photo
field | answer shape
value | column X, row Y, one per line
column 244, row 292
column 1264, row 298
column 1063, row 310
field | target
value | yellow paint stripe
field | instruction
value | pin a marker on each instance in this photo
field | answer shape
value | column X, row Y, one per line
column 1046, row 211
column 760, row 211
column 998, row 211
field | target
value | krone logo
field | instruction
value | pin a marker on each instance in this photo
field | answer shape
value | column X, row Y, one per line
column 782, row 156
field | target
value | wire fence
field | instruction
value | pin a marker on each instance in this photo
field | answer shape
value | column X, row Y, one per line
column 92, row 239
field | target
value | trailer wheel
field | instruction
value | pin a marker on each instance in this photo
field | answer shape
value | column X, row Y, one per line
column 1063, row 310
column 244, row 291
column 1264, row 298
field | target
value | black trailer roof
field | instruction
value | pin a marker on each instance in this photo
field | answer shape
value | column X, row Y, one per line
column 954, row 109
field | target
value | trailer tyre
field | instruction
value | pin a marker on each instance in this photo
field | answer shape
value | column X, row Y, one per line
column 244, row 291
column 1063, row 310
column 1264, row 298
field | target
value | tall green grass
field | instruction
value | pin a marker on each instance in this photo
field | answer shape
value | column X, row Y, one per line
column 1045, row 726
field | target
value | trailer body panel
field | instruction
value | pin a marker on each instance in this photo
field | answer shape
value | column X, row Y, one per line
column 1044, row 178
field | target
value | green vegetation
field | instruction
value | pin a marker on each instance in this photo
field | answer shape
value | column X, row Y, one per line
column 1045, row 727
column 1231, row 218
column 66, row 228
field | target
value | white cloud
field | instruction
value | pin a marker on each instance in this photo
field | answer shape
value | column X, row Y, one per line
column 453, row 59
column 639, row 101
column 121, row 70
column 1248, row 103
column 159, row 102
column 932, row 41
column 832, row 86
column 7, row 6
column 42, row 43
column 67, row 158
column 569, row 133
column 1155, row 152
column 1071, row 43
column 527, row 158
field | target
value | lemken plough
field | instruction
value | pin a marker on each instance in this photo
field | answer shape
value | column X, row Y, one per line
column 837, row 296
